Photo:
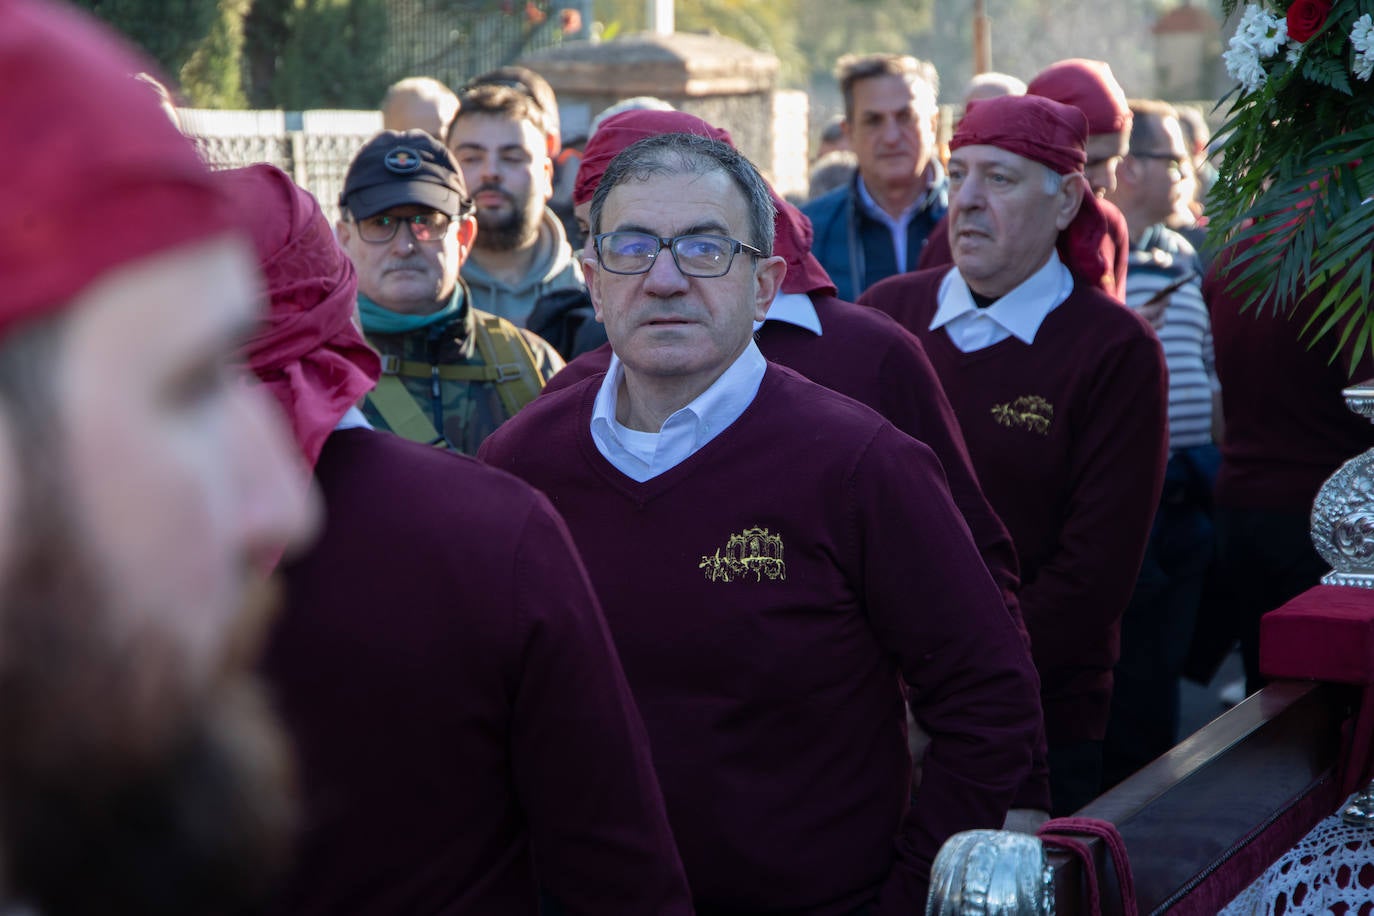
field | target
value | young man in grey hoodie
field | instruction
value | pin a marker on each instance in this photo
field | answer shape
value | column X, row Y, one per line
column 521, row 252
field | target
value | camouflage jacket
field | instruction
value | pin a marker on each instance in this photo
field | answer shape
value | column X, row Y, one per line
column 465, row 412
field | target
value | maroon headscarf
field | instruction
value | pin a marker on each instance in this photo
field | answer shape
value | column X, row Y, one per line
column 792, row 229
column 1089, row 86
column 309, row 353
column 1054, row 135
column 96, row 176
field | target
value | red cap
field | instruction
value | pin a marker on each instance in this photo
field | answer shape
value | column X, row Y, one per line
column 308, row 352
column 96, row 176
column 1089, row 86
column 793, row 231
column 1052, row 134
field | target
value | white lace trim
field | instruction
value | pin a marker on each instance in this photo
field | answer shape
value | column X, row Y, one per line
column 1329, row 871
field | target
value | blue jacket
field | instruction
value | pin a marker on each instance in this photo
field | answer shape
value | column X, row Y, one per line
column 855, row 248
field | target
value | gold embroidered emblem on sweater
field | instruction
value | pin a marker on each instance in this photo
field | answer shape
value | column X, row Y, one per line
column 753, row 552
column 1029, row 412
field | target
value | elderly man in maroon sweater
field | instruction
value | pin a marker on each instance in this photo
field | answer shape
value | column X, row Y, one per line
column 1061, row 394
column 463, row 725
column 772, row 558
column 857, row 351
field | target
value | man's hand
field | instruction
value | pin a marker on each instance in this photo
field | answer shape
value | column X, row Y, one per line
column 1025, row 820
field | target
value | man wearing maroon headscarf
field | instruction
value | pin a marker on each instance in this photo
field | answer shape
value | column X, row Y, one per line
column 1061, row 394
column 1089, row 86
column 145, row 488
column 856, row 351
column 464, row 728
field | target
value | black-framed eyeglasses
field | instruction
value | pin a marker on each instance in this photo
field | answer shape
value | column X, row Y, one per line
column 697, row 255
column 431, row 226
column 1172, row 161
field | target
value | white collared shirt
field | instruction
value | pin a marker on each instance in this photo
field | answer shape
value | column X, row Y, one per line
column 354, row 419
column 1018, row 314
column 642, row 456
column 793, row 308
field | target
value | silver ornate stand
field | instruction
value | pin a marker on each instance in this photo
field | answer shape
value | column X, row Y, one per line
column 1360, row 811
column 1343, row 533
column 991, row 873
column 1343, row 514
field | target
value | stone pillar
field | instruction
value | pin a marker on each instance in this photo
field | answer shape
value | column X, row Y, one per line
column 715, row 78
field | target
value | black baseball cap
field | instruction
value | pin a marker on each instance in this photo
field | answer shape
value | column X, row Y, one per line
column 396, row 168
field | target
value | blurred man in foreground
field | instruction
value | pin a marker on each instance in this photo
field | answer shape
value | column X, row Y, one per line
column 144, row 488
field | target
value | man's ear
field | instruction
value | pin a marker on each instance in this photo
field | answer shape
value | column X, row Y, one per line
column 768, row 277
column 592, row 274
column 1068, row 199
column 343, row 232
column 466, row 233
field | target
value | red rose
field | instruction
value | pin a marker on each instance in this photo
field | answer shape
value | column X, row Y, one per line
column 1306, row 17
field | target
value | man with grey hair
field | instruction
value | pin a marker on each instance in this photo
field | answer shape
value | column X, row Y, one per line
column 741, row 526
column 419, row 103
column 876, row 225
column 1061, row 395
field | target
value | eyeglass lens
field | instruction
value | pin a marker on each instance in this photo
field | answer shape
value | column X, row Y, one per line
column 425, row 227
column 696, row 255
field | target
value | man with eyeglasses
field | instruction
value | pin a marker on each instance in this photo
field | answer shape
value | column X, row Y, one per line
column 451, row 372
column 1158, row 624
column 773, row 559
column 1061, row 393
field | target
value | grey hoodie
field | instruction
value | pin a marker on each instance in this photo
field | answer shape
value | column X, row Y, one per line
column 554, row 268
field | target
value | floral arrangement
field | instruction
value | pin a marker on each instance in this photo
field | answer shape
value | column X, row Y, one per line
column 1297, row 175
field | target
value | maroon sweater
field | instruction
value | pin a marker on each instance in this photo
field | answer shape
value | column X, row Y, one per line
column 765, row 595
column 1287, row 427
column 1069, row 439
column 867, row 356
column 461, row 719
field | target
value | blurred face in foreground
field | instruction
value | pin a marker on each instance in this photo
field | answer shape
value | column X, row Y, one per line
column 157, row 489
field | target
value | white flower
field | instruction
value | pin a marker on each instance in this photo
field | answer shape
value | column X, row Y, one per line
column 1294, row 52
column 1362, row 39
column 1244, row 66
column 1259, row 36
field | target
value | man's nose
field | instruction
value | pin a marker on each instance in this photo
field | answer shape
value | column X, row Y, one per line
column 664, row 278
column 403, row 242
column 278, row 506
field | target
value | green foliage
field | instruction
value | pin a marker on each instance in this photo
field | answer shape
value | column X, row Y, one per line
column 1298, row 168
column 1329, row 72
column 332, row 57
column 169, row 31
column 213, row 78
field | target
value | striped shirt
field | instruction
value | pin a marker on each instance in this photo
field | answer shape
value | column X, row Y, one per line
column 1159, row 258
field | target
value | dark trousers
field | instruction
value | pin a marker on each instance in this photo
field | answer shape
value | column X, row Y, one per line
column 1075, row 776
column 1264, row 558
column 1157, row 628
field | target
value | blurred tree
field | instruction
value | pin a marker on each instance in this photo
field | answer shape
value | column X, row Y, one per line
column 213, row 77
column 168, row 30
column 331, row 55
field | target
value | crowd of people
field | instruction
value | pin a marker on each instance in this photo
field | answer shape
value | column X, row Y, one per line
column 597, row 531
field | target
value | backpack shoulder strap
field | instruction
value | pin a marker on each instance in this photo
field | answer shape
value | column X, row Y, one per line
column 506, row 352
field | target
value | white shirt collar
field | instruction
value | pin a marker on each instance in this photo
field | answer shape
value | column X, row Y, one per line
column 354, row 419
column 1018, row 314
column 640, row 455
column 793, row 308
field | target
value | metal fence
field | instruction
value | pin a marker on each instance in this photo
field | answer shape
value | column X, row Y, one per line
column 313, row 147
column 454, row 40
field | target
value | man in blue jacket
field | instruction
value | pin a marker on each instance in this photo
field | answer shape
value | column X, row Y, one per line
column 877, row 224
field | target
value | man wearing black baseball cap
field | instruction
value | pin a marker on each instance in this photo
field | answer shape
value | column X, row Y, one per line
column 452, row 373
